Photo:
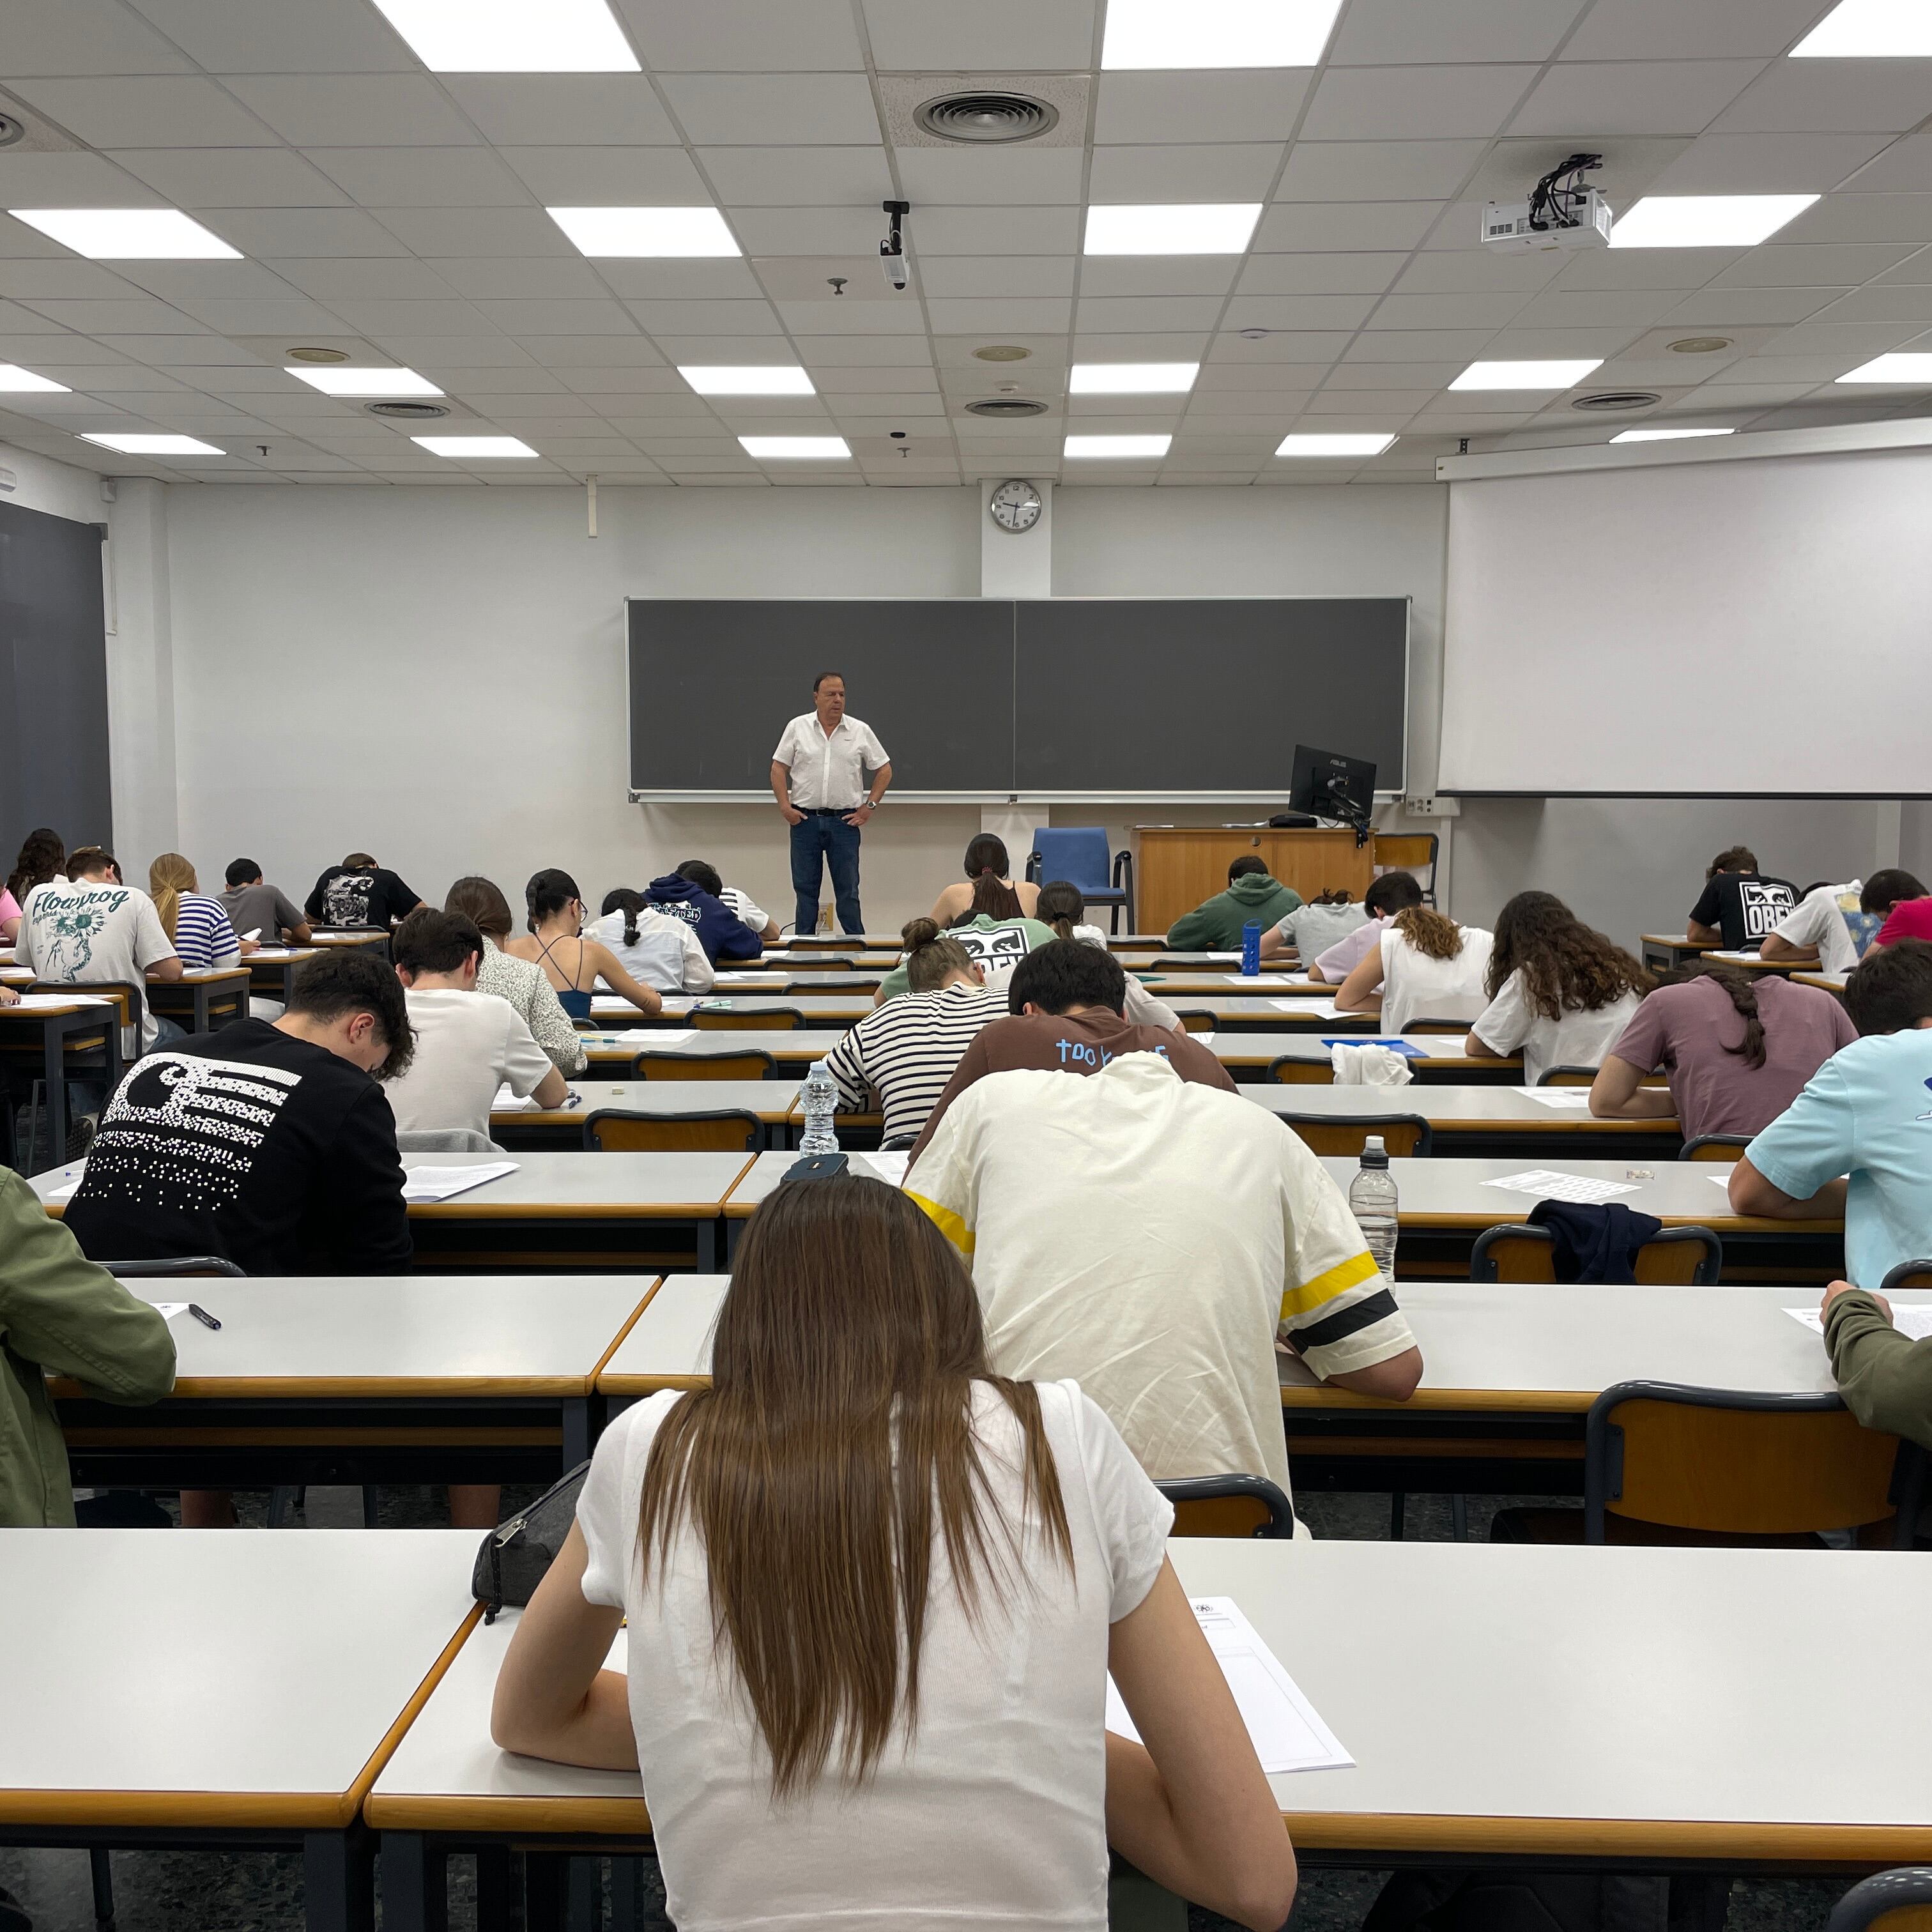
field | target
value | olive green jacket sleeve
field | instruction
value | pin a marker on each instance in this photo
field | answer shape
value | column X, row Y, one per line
column 60, row 1313
column 1886, row 1380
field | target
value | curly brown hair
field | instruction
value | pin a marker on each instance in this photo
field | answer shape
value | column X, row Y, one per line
column 1433, row 933
column 1567, row 967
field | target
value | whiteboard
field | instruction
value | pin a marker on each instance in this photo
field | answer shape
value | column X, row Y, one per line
column 1758, row 626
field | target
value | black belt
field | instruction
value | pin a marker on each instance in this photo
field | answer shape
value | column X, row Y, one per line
column 827, row 810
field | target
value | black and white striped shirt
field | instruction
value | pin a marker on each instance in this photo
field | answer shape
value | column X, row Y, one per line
column 906, row 1050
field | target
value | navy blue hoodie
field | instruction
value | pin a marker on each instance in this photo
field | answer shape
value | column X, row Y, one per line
column 722, row 934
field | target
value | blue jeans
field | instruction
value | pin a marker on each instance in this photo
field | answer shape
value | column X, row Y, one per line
column 825, row 836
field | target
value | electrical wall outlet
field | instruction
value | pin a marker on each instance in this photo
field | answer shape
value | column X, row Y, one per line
column 1433, row 806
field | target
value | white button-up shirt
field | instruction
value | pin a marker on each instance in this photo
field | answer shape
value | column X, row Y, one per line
column 828, row 772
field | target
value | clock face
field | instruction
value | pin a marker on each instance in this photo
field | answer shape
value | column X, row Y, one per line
column 1016, row 506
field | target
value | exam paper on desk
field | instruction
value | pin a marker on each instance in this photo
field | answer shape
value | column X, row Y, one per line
column 443, row 1183
column 1548, row 1185
column 1914, row 1323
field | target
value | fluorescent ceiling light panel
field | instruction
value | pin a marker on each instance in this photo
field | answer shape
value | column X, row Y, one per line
column 512, row 36
column 344, row 380
column 1217, row 33
column 616, row 233
column 1869, row 30
column 1180, row 228
column 156, row 445
column 463, row 448
column 774, row 379
column 786, row 448
column 1551, row 376
column 18, row 382
column 1913, row 366
column 1706, row 220
column 128, row 234
column 1117, row 446
column 1132, row 379
column 1371, row 442
column 1663, row 435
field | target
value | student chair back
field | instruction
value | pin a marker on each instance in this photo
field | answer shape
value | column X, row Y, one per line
column 1663, row 1462
column 1403, row 1134
column 1077, row 853
column 1714, row 1147
column 1437, row 1023
column 1692, row 1256
column 822, row 962
column 754, row 1063
column 1891, row 1901
column 177, row 1266
column 757, row 1019
column 1291, row 1071
column 616, row 1130
column 1907, row 1274
column 1195, row 1021
column 1249, row 1506
column 1586, row 1076
column 1409, row 852
column 860, row 986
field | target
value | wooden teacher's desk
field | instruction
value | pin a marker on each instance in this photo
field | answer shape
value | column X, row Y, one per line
column 1180, row 866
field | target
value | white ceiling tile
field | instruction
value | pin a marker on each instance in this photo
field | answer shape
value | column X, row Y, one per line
column 675, row 281
column 779, row 232
column 722, row 110
column 615, row 390
column 347, row 110
column 432, row 354
column 1579, row 99
column 1593, row 308
column 182, row 351
column 899, row 352
column 1243, row 172
column 1350, row 227
column 526, row 381
column 380, row 178
column 33, row 276
column 1520, row 342
column 375, row 318
column 1477, row 272
column 248, row 37
column 1905, row 165
column 602, row 177
column 1733, row 307
column 604, row 317
column 754, row 36
column 1257, row 105
column 1431, row 375
column 850, row 317
column 1314, row 348
column 147, row 111
column 989, row 275
column 1413, row 103
column 1834, row 96
column 300, row 232
column 1645, row 268
column 994, row 36
column 1417, row 345
column 561, row 352
column 1376, row 170
column 532, row 278
column 1785, row 369
column 1298, row 312
column 1134, row 312
column 1157, row 274
column 1490, row 311
column 992, row 231
column 77, row 180
column 1671, row 30
column 1369, row 409
column 1915, row 268
column 1142, row 345
column 700, row 318
column 1817, row 264
column 1318, row 275
column 844, row 386
column 215, row 177
column 990, row 175
column 527, row 110
column 801, row 177
column 173, row 280
column 1767, row 163
column 867, row 408
column 1376, row 33
column 994, row 315
column 100, row 318
column 1889, row 305
column 75, row 36
column 1861, row 217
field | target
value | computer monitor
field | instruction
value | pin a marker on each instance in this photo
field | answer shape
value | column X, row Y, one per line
column 1331, row 786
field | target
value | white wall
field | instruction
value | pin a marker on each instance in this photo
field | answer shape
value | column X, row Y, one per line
column 60, row 489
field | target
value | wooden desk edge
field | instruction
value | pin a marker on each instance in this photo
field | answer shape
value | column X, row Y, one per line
column 1620, row 1838
column 334, row 1388
column 621, row 1384
column 618, row 1341
column 454, row 1210
column 359, row 1791
column 603, row 1817
column 1527, row 1402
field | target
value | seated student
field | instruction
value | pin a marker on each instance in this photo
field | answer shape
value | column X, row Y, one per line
column 1886, row 1380
column 1863, row 1114
column 89, row 928
column 1387, row 896
column 994, row 930
column 1253, row 895
column 1560, row 992
column 266, row 910
column 1834, row 924
column 1142, row 1230
column 199, row 925
column 1062, row 907
column 43, row 857
column 1910, row 916
column 9, row 916
column 1739, row 904
column 691, row 894
column 1737, row 1048
column 359, row 892
column 986, row 858
column 572, row 964
column 884, row 1704
column 531, row 996
column 61, row 1314
column 468, row 1043
column 655, row 950
column 905, row 1051
column 1426, row 966
column 1314, row 926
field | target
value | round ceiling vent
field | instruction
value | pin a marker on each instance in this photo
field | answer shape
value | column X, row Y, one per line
column 318, row 356
column 1001, row 352
column 409, row 412
column 980, row 117
column 1699, row 345
column 1006, row 406
column 11, row 130
column 1614, row 400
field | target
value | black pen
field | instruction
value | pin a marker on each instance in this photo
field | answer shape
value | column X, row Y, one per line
column 201, row 1316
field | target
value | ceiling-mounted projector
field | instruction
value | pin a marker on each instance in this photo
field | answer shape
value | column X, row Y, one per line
column 1563, row 211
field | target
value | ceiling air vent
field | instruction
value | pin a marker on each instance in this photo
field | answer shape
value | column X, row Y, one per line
column 1006, row 406
column 981, row 116
column 407, row 412
column 11, row 130
column 1614, row 400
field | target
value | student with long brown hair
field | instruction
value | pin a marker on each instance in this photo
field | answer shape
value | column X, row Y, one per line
column 1424, row 966
column 988, row 888
column 43, row 857
column 874, row 1593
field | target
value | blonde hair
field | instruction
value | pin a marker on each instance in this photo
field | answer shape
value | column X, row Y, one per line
column 1430, row 932
column 168, row 878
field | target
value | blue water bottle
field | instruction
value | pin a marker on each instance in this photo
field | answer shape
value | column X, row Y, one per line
column 1251, row 948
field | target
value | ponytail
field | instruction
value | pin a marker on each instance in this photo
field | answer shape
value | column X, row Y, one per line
column 1743, row 991
column 994, row 898
column 1061, row 906
column 630, row 904
column 168, row 878
column 1432, row 934
column 547, row 893
column 931, row 957
column 1336, row 895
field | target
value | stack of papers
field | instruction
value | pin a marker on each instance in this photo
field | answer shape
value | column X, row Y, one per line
column 889, row 1168
column 1576, row 1099
column 1548, row 1185
column 442, row 1183
column 66, row 1190
column 507, row 1102
column 1320, row 1010
column 638, row 1038
column 1915, row 1323
column 29, row 1002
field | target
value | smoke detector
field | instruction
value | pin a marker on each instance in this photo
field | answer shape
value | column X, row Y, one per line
column 1006, row 406
column 317, row 354
column 1611, row 400
column 1699, row 345
column 407, row 412
column 1001, row 352
column 11, row 130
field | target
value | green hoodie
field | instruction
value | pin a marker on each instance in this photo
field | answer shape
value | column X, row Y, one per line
column 1216, row 926
column 1885, row 1379
column 58, row 1312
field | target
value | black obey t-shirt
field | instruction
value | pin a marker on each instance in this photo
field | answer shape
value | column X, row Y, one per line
column 1743, row 907
column 377, row 898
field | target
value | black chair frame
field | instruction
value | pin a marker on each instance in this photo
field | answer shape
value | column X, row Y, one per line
column 1369, row 1122
column 660, row 1054
column 176, row 1265
column 755, row 1128
column 1482, row 1269
column 1280, row 1524
column 1868, row 1901
column 1688, row 1151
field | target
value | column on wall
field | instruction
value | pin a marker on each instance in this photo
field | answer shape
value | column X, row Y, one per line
column 140, row 675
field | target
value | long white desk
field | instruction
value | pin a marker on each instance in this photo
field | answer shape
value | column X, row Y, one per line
column 1504, row 1121
column 770, row 1101
column 1438, row 1056
column 674, row 1348
column 613, row 1053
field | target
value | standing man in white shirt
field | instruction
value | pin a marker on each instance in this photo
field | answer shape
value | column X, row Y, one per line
column 818, row 778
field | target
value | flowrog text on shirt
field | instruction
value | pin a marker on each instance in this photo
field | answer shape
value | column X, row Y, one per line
column 70, row 923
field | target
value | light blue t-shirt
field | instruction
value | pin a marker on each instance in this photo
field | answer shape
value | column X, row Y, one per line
column 1866, row 1112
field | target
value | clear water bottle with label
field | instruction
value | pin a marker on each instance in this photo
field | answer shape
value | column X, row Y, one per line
column 1251, row 948
column 1371, row 1200
column 821, row 1102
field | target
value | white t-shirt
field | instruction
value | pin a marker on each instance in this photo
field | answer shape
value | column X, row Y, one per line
column 467, row 1045
column 1578, row 1038
column 1415, row 987
column 992, row 1817
column 747, row 908
column 667, row 956
column 1822, row 920
column 92, row 930
column 828, row 771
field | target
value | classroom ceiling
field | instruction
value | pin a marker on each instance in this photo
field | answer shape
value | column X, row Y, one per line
column 400, row 215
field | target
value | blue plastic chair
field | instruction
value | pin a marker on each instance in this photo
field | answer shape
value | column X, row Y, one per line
column 1077, row 853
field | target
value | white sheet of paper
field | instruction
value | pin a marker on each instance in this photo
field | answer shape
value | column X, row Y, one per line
column 638, row 1038
column 271, row 952
column 29, row 1002
column 167, row 1310
column 889, row 1168
column 1287, row 1731
column 507, row 1102
column 1722, row 1180
column 1321, row 1009
column 1573, row 1100
column 1220, row 959
column 1914, row 1323
column 66, row 1191
column 442, row 1183
column 1548, row 1185
column 1245, row 979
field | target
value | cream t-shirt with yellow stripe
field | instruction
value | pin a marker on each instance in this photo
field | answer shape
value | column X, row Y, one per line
column 1142, row 1236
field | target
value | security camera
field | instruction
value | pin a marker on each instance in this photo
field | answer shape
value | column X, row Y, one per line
column 891, row 250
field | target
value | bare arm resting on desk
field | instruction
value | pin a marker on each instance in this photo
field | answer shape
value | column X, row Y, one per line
column 1752, row 1194
column 1701, row 935
column 1618, row 1094
column 1772, row 947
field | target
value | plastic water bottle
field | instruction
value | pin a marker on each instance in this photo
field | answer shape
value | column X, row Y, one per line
column 1371, row 1200
column 1251, row 948
column 821, row 1102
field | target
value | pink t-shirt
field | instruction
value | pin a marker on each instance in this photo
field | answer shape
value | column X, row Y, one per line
column 1682, row 1031
column 9, row 907
column 1911, row 918
column 1348, row 952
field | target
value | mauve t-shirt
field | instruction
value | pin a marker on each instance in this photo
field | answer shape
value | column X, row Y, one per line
column 1682, row 1031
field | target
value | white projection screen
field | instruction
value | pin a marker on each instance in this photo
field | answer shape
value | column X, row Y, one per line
column 1718, row 628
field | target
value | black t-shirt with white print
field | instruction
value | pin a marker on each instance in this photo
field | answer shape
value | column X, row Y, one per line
column 1743, row 907
column 250, row 1145
column 376, row 897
